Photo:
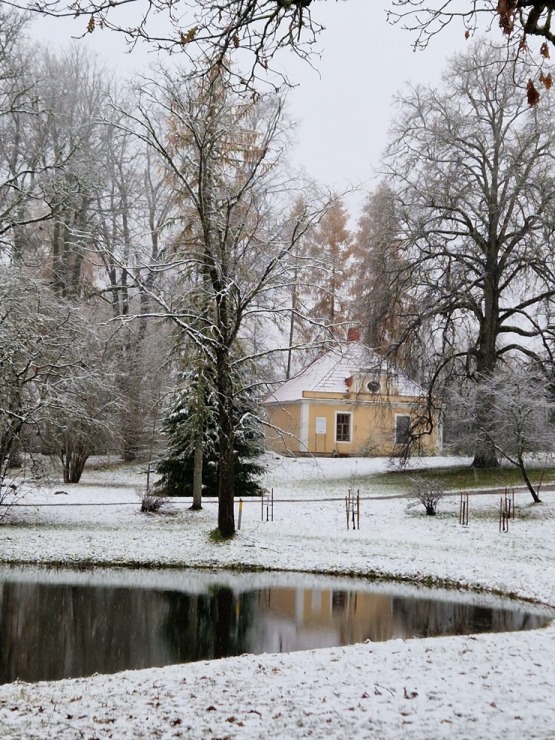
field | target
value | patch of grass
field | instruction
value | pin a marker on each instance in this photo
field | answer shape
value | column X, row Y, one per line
column 462, row 477
column 217, row 537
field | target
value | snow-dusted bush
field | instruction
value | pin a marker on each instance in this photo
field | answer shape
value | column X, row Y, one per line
column 152, row 503
column 426, row 492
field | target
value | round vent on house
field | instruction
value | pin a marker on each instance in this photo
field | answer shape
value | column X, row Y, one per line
column 373, row 386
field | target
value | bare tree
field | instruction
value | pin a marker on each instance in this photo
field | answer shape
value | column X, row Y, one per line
column 38, row 341
column 427, row 492
column 73, row 90
column 223, row 155
column 133, row 205
column 84, row 410
column 473, row 166
column 521, row 416
column 22, row 170
column 73, row 187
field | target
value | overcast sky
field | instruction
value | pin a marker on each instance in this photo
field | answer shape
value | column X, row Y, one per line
column 346, row 111
column 344, row 106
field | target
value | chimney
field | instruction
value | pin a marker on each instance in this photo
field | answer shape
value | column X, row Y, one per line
column 353, row 334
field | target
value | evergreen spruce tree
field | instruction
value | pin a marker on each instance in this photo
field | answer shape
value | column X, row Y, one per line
column 195, row 409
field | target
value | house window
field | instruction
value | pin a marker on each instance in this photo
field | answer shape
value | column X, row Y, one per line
column 402, row 429
column 343, row 427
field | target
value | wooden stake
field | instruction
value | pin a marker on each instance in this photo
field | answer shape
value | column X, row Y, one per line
column 504, row 514
column 463, row 508
column 240, row 513
column 465, row 501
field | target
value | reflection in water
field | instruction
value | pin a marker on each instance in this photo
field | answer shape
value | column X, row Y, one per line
column 53, row 631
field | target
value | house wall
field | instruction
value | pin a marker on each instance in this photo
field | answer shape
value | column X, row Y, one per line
column 372, row 421
column 283, row 434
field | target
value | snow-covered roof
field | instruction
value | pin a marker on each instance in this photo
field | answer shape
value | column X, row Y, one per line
column 328, row 373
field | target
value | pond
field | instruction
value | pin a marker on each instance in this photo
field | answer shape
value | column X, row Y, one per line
column 63, row 624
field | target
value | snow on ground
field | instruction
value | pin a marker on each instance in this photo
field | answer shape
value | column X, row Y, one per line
column 483, row 686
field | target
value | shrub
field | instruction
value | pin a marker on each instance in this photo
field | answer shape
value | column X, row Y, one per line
column 428, row 493
column 152, row 503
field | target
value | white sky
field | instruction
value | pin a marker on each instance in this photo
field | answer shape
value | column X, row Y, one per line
column 346, row 109
column 344, row 105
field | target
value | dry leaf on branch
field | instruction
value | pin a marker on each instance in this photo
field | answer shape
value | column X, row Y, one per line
column 532, row 94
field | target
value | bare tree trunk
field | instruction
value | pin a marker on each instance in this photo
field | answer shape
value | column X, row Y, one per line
column 526, row 479
column 226, row 495
column 197, row 474
column 292, row 322
column 15, row 457
column 73, row 457
column 485, row 455
column 226, row 490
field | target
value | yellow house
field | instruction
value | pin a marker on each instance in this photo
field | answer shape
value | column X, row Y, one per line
column 349, row 401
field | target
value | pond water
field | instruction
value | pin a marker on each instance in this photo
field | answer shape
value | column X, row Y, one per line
column 62, row 624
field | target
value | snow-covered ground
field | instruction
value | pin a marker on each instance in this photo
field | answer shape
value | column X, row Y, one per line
column 483, row 686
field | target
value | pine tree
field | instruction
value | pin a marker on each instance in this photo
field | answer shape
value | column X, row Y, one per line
column 189, row 412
